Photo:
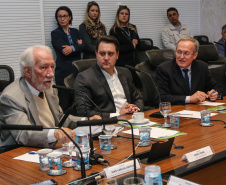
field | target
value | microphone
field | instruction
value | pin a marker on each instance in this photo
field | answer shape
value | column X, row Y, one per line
column 21, row 127
column 72, row 89
column 97, row 122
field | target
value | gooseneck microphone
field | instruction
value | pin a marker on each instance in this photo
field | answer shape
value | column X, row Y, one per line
column 20, row 127
column 135, row 69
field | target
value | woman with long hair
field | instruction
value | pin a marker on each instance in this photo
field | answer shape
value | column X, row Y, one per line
column 68, row 44
column 91, row 28
column 127, row 36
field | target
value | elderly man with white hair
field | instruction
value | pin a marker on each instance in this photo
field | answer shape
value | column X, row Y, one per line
column 31, row 100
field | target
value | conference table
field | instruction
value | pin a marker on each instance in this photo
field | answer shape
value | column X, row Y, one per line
column 20, row 172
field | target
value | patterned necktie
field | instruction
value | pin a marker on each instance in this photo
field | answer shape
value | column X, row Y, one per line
column 41, row 95
column 186, row 79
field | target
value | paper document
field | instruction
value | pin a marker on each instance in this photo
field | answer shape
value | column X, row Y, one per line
column 210, row 103
column 192, row 114
column 28, row 157
column 94, row 129
column 155, row 132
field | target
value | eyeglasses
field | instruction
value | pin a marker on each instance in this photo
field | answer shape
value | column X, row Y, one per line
column 62, row 16
column 180, row 53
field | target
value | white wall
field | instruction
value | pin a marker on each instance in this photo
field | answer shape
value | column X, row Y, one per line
column 212, row 18
column 25, row 22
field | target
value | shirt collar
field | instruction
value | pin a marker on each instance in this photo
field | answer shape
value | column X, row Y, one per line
column 189, row 68
column 107, row 76
column 32, row 89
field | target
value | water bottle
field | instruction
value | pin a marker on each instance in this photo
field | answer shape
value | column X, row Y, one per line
column 82, row 139
column 153, row 175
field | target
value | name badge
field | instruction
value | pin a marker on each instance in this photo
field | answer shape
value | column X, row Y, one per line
column 197, row 154
column 121, row 169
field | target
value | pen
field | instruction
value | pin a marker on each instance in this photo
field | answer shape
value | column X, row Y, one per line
column 212, row 93
column 32, row 152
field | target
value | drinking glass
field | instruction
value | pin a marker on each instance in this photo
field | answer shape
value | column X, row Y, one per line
column 165, row 109
column 108, row 130
column 69, row 146
column 133, row 181
column 105, row 181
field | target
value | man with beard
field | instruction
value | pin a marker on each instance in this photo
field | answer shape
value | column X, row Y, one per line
column 184, row 79
column 110, row 87
column 31, row 100
column 174, row 31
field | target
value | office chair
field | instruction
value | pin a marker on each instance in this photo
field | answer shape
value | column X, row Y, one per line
column 203, row 40
column 6, row 76
column 155, row 57
column 146, row 44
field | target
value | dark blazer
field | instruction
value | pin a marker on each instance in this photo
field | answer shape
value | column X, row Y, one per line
column 126, row 50
column 94, row 84
column 64, row 63
column 170, row 81
column 89, row 51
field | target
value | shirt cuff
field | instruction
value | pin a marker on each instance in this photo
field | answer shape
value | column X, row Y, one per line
column 73, row 48
column 114, row 114
column 187, row 99
column 50, row 136
column 83, row 119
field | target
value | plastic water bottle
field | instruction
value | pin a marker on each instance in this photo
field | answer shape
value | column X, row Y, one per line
column 82, row 139
column 153, row 175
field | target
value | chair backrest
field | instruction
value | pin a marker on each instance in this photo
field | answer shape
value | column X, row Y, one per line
column 6, row 76
column 156, row 57
column 80, row 65
column 203, row 40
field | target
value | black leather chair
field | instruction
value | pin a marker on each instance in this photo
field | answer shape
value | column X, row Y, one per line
column 80, row 65
column 146, row 44
column 155, row 57
column 203, row 40
column 6, row 76
column 216, row 63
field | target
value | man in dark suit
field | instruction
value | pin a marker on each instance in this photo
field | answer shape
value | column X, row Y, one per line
column 186, row 80
column 110, row 87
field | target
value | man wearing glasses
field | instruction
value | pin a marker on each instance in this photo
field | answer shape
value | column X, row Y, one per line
column 184, row 79
column 174, row 31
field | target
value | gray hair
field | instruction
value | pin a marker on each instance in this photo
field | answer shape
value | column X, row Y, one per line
column 195, row 42
column 27, row 57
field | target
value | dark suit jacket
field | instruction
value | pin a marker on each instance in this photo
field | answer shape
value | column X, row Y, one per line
column 64, row 63
column 89, row 51
column 94, row 84
column 170, row 81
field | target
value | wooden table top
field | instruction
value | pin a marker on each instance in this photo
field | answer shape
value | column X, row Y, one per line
column 20, row 172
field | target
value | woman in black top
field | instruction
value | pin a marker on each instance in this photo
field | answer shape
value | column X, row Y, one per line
column 91, row 28
column 127, row 36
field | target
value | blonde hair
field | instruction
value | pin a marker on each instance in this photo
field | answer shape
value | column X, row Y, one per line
column 117, row 21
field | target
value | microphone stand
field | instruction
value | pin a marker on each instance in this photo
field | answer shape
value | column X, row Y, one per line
column 111, row 121
column 93, row 157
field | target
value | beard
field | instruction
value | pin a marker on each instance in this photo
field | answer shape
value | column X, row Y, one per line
column 41, row 86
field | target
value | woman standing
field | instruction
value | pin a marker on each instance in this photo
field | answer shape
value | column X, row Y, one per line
column 127, row 36
column 91, row 28
column 68, row 44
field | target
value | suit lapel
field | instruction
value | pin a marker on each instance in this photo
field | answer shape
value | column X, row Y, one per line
column 64, row 35
column 103, row 80
column 30, row 100
column 178, row 77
